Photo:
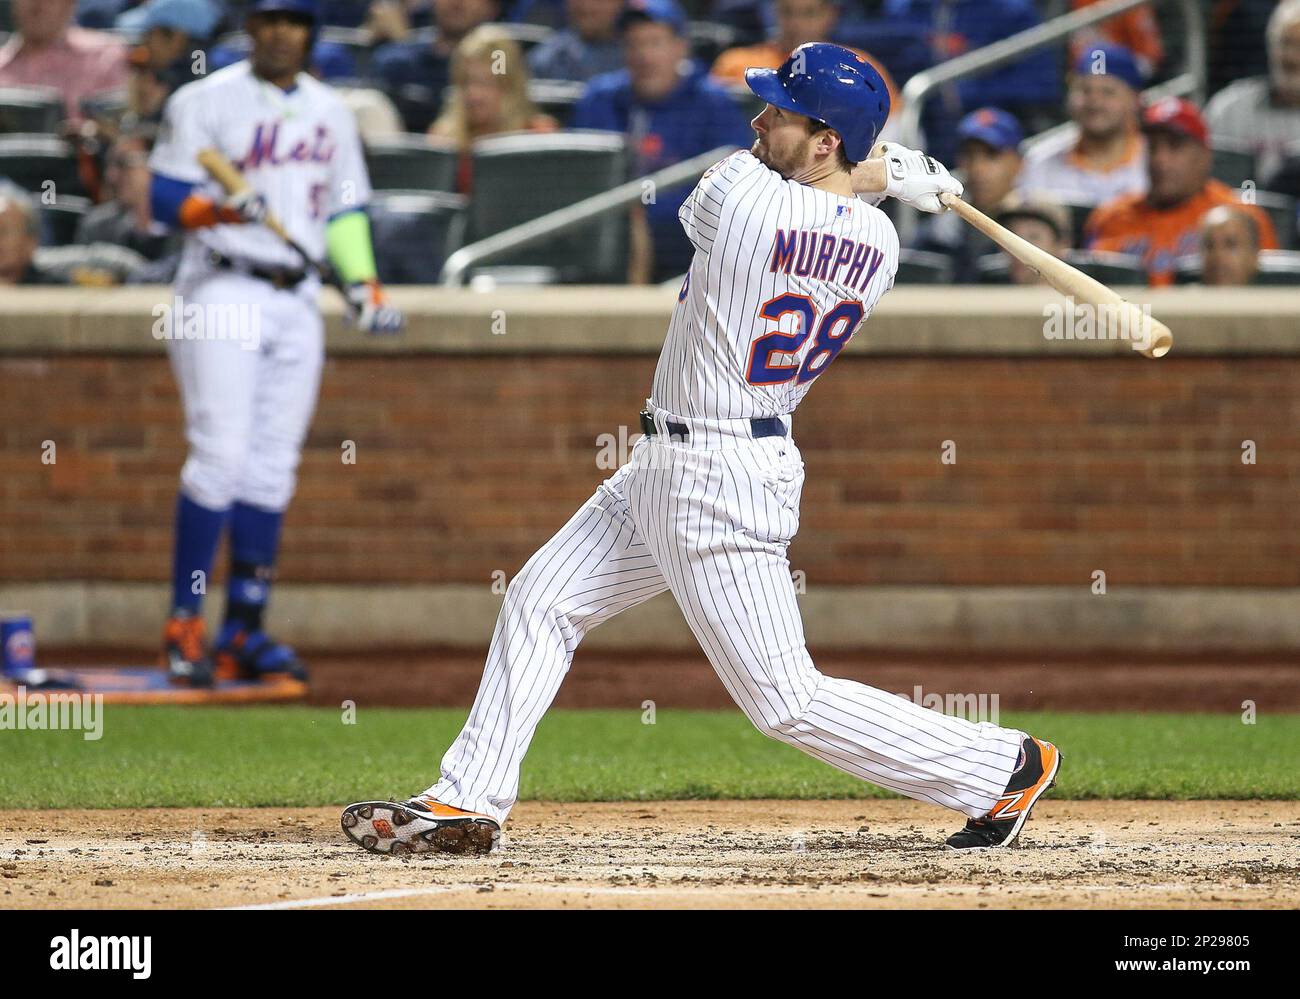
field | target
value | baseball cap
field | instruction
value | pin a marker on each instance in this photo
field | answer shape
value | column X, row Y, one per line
column 1174, row 114
column 1109, row 60
column 196, row 18
column 993, row 127
column 664, row 11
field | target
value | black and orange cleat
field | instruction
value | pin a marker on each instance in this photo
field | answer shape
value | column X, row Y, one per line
column 419, row 825
column 999, row 828
column 185, row 655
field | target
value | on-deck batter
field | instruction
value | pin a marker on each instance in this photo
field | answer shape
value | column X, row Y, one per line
column 788, row 263
column 249, row 393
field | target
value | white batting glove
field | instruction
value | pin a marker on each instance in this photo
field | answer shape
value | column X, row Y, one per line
column 250, row 207
column 916, row 178
column 370, row 309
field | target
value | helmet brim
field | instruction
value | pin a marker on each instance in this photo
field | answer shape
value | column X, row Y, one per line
column 765, row 83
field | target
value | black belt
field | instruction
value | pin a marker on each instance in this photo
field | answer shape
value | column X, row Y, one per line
column 277, row 277
column 767, row 426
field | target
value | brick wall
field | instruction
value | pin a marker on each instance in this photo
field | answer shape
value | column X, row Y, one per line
column 466, row 463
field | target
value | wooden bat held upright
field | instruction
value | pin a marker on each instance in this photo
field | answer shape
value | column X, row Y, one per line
column 1125, row 318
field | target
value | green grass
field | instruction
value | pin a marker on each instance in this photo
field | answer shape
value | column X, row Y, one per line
column 305, row 756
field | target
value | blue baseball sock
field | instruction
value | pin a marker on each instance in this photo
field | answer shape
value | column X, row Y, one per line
column 198, row 532
column 254, row 542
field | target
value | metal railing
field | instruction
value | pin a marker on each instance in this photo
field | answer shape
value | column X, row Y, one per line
column 574, row 216
column 919, row 88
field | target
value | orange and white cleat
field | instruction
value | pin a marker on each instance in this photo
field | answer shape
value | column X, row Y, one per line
column 419, row 825
column 1034, row 774
column 185, row 654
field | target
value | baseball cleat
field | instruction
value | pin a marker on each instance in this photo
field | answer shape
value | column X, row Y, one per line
column 184, row 655
column 251, row 655
column 1035, row 773
column 418, row 825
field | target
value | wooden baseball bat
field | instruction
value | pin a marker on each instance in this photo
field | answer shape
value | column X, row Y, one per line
column 233, row 182
column 1131, row 321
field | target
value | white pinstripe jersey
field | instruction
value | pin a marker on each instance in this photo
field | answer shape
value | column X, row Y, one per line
column 782, row 277
column 300, row 150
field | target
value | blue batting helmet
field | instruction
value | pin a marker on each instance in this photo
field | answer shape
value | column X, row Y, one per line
column 832, row 85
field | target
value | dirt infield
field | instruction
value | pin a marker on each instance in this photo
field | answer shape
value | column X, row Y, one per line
column 841, row 854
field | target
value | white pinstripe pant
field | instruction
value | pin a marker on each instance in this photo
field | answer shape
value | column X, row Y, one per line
column 713, row 525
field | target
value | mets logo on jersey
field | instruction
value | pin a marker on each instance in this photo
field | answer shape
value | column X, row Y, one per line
column 264, row 150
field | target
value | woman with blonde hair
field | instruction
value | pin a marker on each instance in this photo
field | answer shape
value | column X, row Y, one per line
column 488, row 95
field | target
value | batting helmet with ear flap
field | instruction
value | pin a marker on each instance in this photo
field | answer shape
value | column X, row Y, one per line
column 832, row 85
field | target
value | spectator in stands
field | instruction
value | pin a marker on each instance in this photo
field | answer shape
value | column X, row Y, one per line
column 126, row 218
column 48, row 50
column 1107, row 158
column 1043, row 223
column 1137, row 30
column 1161, row 226
column 20, row 235
column 1229, row 247
column 391, row 20
column 1030, row 88
column 1263, row 112
column 173, row 38
column 428, row 64
column 797, row 21
column 588, row 47
column 488, row 96
column 376, row 115
column 670, row 110
column 988, row 161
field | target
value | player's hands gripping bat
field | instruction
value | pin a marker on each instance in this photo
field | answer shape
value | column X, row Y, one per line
column 367, row 307
column 916, row 178
column 1151, row 337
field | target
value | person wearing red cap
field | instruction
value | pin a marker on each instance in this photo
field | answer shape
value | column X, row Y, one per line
column 1162, row 225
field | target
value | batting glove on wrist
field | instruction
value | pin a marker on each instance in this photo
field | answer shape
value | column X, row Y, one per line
column 370, row 309
column 249, row 207
column 917, row 179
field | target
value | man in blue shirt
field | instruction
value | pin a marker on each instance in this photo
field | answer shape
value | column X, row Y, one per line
column 670, row 111
column 587, row 47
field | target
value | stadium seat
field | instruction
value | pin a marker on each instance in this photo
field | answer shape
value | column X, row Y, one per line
column 31, row 161
column 561, row 168
column 34, row 110
column 1281, row 209
column 1276, row 268
column 1108, row 268
column 356, row 41
column 1279, row 267
column 993, row 268
column 1233, row 163
column 418, row 106
column 412, row 163
column 1079, row 212
column 59, row 220
column 93, row 264
column 414, row 232
column 923, row 267
column 527, row 36
column 556, row 97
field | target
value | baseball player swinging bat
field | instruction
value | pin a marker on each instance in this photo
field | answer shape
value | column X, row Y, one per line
column 236, row 184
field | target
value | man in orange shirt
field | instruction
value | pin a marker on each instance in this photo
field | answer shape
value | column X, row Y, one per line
column 1162, row 225
column 797, row 21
